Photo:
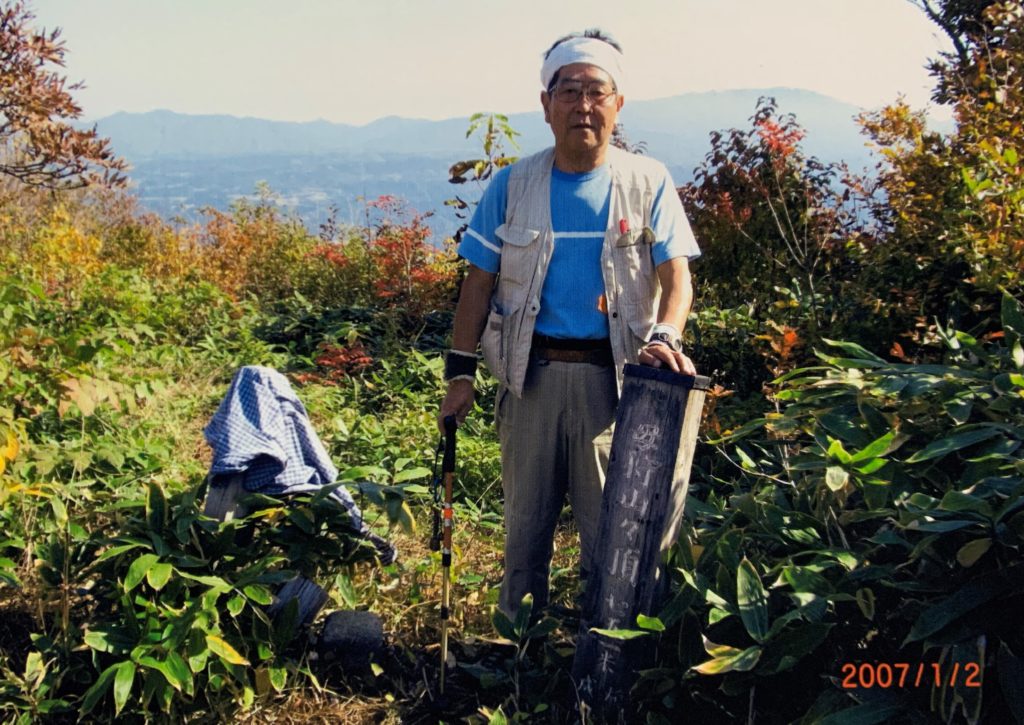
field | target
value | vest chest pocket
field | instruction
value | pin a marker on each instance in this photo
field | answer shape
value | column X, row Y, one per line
column 634, row 266
column 519, row 253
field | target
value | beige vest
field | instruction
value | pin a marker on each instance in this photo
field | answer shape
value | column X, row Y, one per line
column 630, row 281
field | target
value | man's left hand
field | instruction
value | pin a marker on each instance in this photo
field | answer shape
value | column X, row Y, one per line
column 662, row 356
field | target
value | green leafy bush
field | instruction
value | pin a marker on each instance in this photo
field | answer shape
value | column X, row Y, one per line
column 878, row 517
column 164, row 610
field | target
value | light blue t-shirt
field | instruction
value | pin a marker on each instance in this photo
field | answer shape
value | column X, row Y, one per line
column 570, row 304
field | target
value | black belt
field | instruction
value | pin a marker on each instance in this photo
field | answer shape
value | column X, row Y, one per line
column 560, row 349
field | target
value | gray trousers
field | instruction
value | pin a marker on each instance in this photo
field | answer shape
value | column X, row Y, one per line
column 555, row 440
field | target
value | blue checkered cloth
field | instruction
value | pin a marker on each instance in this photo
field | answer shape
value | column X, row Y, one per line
column 261, row 430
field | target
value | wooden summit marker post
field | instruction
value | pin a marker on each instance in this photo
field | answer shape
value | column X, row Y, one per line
column 641, row 510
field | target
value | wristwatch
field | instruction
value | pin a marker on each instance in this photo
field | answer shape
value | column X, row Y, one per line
column 674, row 343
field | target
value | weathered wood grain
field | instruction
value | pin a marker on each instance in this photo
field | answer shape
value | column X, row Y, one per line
column 641, row 511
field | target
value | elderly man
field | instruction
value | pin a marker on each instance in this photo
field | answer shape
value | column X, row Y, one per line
column 578, row 263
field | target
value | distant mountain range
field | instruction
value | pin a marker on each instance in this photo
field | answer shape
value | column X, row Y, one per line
column 182, row 163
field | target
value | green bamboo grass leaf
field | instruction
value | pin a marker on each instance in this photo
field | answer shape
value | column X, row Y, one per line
column 356, row 473
column 399, row 512
column 960, row 501
column 652, row 624
column 792, row 645
column 958, row 410
column 938, row 527
column 176, row 670
column 727, row 659
column 837, row 452
column 114, row 640
column 716, row 615
column 258, row 593
column 970, row 552
column 836, row 477
column 124, row 678
column 197, row 653
column 746, row 461
column 740, row 432
column 866, row 602
column 871, row 466
column 279, row 677
column 804, row 580
column 522, row 620
column 542, row 628
column 621, row 634
column 969, row 597
column 752, row 600
column 159, row 574
column 214, row 582
column 138, row 570
column 225, row 651
column 504, row 625
column 411, row 474
column 99, row 688
column 116, row 550
column 854, row 350
column 955, row 442
column 922, row 501
column 719, row 650
column 171, row 670
column 847, row 363
column 235, row 605
column 881, row 446
column 60, row 511
column 1012, row 319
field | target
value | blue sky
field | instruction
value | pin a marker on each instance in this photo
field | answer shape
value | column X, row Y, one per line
column 354, row 62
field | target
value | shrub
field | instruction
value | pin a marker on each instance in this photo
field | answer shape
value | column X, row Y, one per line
column 391, row 266
column 879, row 517
column 159, row 609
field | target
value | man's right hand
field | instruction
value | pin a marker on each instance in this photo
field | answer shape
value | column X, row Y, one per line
column 458, row 402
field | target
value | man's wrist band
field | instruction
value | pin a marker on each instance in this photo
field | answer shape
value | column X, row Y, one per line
column 667, row 328
column 459, row 365
column 666, row 334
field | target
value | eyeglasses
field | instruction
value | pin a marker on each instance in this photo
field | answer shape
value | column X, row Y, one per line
column 597, row 94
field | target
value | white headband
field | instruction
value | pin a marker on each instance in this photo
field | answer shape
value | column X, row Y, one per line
column 585, row 50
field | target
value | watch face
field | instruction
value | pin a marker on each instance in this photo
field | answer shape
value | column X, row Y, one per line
column 664, row 337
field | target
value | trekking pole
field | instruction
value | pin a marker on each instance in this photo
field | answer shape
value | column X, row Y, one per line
column 448, row 471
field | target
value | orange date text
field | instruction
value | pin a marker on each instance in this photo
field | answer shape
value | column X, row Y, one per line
column 884, row 675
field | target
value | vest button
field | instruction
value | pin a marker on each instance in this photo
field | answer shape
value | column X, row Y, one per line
column 615, row 314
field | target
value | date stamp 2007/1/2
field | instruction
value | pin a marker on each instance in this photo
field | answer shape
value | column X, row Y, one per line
column 867, row 675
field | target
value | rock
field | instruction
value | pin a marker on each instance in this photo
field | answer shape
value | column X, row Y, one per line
column 351, row 639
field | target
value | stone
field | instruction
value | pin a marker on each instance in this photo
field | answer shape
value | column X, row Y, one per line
column 351, row 638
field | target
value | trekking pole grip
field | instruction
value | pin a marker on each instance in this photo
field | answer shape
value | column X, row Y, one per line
column 448, row 463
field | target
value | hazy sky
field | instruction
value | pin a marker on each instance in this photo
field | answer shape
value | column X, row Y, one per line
column 354, row 61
